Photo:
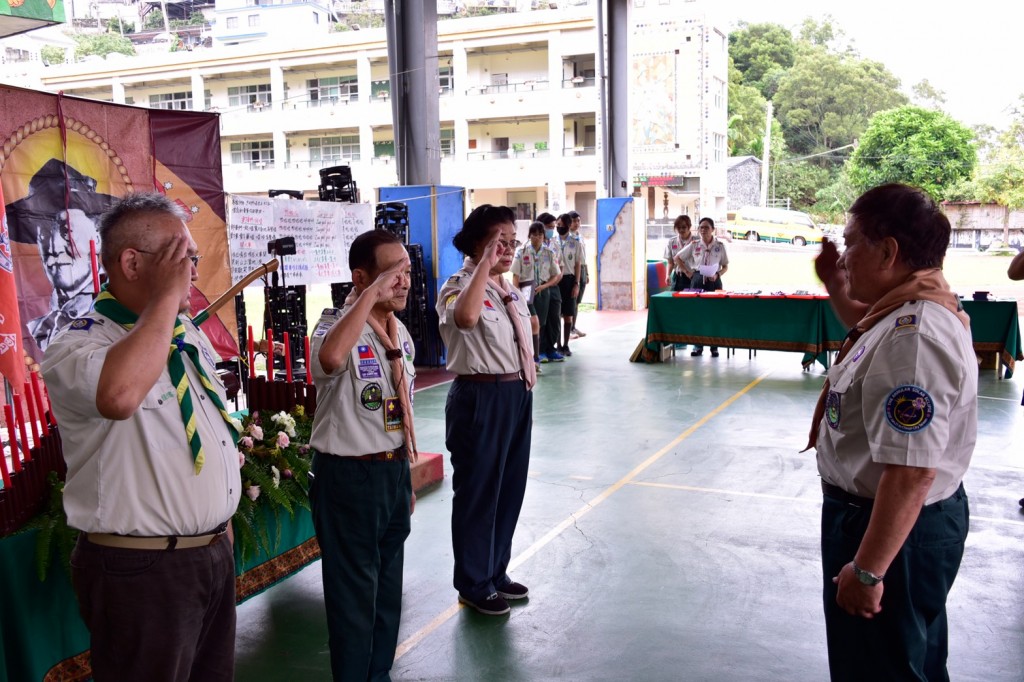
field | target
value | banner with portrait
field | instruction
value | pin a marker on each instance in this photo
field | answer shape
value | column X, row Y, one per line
column 64, row 161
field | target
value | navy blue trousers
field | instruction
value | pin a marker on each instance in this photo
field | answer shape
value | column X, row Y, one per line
column 908, row 639
column 361, row 516
column 488, row 434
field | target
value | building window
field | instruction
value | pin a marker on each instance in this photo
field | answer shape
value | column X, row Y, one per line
column 258, row 154
column 253, row 96
column 718, row 153
column 254, row 20
column 719, row 93
column 232, row 22
column 383, row 148
column 447, row 142
column 334, row 149
column 335, row 89
column 316, row 17
column 446, row 78
column 181, row 101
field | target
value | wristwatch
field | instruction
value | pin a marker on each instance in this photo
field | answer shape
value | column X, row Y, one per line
column 866, row 577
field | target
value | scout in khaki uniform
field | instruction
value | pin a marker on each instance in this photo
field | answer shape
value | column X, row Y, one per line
column 895, row 428
column 677, row 279
column 704, row 262
column 570, row 253
column 153, row 569
column 485, row 324
column 534, row 266
column 363, row 440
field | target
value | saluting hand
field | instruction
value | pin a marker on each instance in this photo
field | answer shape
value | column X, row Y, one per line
column 390, row 283
column 826, row 264
column 492, row 254
column 169, row 270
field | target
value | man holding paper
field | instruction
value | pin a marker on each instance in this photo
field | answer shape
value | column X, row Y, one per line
column 704, row 262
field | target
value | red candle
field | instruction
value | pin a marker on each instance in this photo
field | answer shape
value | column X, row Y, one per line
column 19, row 417
column 95, row 269
column 252, row 354
column 32, row 416
column 37, row 394
column 9, row 418
column 287, row 358
column 270, row 355
column 49, row 414
column 309, row 377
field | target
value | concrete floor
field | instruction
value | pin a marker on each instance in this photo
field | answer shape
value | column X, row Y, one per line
column 670, row 532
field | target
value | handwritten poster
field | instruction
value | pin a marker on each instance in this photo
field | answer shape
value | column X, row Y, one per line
column 323, row 232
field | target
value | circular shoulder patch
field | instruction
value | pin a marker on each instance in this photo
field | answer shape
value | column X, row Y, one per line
column 832, row 409
column 909, row 409
column 371, row 397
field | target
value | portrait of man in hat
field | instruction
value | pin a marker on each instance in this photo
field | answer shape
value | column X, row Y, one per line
column 59, row 215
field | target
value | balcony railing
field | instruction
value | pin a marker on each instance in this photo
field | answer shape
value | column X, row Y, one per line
column 322, row 103
column 322, row 163
column 508, row 154
column 253, row 165
column 579, row 151
column 579, row 82
column 522, row 86
column 259, row 106
column 382, row 160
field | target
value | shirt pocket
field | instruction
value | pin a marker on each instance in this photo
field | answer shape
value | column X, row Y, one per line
column 840, row 378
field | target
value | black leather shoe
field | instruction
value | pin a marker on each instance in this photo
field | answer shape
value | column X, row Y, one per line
column 714, row 353
column 513, row 590
column 491, row 606
column 695, row 353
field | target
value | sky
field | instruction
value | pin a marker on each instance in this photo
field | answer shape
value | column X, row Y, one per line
column 969, row 50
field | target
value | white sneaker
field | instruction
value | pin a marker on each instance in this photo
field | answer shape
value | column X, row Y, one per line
column 576, row 334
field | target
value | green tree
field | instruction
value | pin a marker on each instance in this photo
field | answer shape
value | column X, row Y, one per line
column 746, row 114
column 1001, row 179
column 913, row 145
column 833, row 199
column 101, row 44
column 51, row 55
column 762, row 52
column 154, row 20
column 927, row 95
column 826, row 100
column 798, row 181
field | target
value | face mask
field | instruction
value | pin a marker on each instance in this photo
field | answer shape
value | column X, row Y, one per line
column 549, row 234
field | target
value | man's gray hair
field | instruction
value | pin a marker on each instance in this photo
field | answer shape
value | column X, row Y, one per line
column 114, row 225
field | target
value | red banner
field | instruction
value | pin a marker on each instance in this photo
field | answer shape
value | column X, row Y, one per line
column 65, row 161
column 12, row 353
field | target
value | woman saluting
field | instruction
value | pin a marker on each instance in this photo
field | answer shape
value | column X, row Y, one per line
column 485, row 324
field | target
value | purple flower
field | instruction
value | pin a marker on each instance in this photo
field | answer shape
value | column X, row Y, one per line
column 245, row 442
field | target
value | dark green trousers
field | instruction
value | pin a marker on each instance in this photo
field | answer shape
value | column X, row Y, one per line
column 361, row 516
column 908, row 639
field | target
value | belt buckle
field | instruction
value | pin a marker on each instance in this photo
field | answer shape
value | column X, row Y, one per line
column 389, row 455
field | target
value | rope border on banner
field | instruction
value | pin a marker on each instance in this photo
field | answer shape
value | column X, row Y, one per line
column 53, row 121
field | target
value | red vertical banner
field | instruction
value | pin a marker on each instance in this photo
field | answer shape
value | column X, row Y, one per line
column 12, row 353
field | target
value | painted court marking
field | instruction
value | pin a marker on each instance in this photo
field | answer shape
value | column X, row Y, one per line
column 418, row 636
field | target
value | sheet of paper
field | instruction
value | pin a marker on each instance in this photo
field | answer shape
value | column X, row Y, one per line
column 708, row 270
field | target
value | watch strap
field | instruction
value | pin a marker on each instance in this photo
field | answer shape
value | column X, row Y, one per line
column 866, row 577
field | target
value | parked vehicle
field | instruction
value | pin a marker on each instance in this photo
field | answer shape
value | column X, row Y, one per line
column 779, row 225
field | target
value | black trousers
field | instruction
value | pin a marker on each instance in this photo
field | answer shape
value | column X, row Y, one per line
column 908, row 639
column 488, row 429
column 158, row 615
column 361, row 517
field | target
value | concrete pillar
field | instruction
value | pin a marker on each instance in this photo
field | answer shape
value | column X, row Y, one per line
column 198, row 91
column 117, row 90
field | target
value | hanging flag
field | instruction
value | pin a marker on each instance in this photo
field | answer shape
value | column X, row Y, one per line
column 12, row 353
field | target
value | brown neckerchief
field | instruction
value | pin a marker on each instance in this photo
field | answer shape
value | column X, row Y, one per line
column 524, row 343
column 390, row 340
column 921, row 285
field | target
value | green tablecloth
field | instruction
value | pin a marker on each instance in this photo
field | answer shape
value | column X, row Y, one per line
column 804, row 325
column 42, row 636
column 760, row 323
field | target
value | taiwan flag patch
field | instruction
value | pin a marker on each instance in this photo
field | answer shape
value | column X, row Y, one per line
column 369, row 368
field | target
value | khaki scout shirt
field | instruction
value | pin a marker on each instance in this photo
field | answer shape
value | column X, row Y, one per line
column 490, row 346
column 570, row 251
column 906, row 394
column 697, row 253
column 350, row 406
column 135, row 476
column 534, row 266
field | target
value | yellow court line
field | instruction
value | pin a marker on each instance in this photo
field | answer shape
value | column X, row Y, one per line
column 419, row 635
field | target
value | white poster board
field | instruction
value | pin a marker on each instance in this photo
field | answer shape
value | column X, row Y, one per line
column 323, row 232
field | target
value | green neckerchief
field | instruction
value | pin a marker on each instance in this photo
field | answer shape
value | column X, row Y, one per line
column 109, row 306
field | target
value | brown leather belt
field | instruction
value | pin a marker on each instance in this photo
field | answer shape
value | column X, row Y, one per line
column 399, row 454
column 156, row 543
column 838, row 493
column 491, row 378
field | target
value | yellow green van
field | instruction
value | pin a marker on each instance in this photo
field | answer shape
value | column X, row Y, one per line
column 774, row 225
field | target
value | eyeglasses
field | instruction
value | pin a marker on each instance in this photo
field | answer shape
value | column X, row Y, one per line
column 514, row 244
column 195, row 259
